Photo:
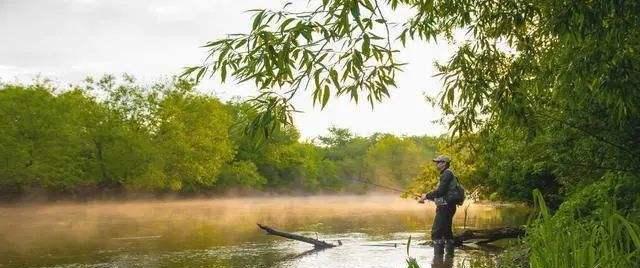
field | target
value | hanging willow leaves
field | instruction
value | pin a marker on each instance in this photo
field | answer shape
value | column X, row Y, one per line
column 287, row 51
column 514, row 60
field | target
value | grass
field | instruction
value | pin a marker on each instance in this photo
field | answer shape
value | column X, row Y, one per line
column 411, row 262
column 606, row 240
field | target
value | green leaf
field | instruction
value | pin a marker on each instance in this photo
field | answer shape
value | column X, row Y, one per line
column 307, row 35
column 215, row 43
column 403, row 37
column 285, row 23
column 334, row 77
column 316, row 78
column 241, row 43
column 357, row 59
column 366, row 45
column 257, row 20
column 223, row 72
column 354, row 92
column 199, row 75
column 325, row 96
column 355, row 10
column 188, row 71
column 347, row 70
column 367, row 4
column 319, row 60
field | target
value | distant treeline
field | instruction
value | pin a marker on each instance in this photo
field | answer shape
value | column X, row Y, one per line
column 112, row 136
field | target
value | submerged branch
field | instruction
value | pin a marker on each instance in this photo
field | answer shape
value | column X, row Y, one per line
column 484, row 236
column 316, row 243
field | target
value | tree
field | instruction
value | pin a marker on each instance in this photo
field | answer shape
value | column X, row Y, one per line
column 118, row 130
column 192, row 136
column 393, row 161
column 336, row 137
column 40, row 141
column 537, row 66
column 240, row 174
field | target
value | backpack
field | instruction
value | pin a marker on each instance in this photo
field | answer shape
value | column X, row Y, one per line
column 456, row 194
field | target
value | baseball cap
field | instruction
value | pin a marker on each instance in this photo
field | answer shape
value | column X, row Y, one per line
column 442, row 158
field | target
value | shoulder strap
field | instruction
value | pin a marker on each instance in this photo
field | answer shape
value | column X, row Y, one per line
column 455, row 178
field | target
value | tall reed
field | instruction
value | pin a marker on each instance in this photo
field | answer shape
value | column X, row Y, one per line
column 606, row 239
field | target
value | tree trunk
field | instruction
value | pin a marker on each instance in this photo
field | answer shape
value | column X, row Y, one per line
column 316, row 243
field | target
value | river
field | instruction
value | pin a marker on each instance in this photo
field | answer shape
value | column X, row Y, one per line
column 373, row 230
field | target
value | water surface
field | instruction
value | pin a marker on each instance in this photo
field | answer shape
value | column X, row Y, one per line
column 223, row 232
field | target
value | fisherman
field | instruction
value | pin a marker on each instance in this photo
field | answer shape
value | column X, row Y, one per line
column 441, row 232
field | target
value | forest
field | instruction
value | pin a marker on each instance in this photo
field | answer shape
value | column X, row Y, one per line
column 112, row 136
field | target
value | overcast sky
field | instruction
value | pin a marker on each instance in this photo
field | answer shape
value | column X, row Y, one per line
column 67, row 40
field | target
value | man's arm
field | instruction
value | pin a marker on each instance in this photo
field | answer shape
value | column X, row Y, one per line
column 445, row 179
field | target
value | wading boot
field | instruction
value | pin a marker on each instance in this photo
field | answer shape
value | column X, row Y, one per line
column 438, row 247
column 449, row 246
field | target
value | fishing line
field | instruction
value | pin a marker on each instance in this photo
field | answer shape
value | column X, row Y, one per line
column 386, row 187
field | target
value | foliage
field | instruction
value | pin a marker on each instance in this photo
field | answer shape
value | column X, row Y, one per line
column 609, row 240
column 241, row 173
column 34, row 151
column 166, row 139
column 541, row 94
column 192, row 134
column 464, row 164
column 411, row 262
column 391, row 159
column 114, row 135
column 348, row 153
column 557, row 79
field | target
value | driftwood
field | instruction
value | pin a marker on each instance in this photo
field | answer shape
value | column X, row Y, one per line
column 489, row 235
column 477, row 237
column 484, row 236
column 317, row 244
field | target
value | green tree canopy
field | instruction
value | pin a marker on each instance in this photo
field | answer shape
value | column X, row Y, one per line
column 562, row 73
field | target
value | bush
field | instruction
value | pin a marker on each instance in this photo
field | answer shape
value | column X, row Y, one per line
column 605, row 238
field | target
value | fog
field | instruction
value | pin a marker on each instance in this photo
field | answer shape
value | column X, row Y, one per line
column 74, row 232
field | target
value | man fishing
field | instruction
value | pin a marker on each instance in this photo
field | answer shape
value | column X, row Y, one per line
column 441, row 232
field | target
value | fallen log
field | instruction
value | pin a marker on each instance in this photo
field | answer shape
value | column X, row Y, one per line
column 484, row 236
column 317, row 244
column 490, row 235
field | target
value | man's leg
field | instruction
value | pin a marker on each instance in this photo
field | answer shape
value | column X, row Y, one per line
column 448, row 232
column 439, row 230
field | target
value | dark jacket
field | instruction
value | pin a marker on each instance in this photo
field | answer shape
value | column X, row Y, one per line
column 444, row 185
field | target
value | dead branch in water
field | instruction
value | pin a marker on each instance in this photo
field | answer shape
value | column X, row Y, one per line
column 484, row 236
column 478, row 237
column 316, row 243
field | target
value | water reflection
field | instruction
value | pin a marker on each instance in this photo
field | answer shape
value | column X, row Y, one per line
column 440, row 261
column 222, row 233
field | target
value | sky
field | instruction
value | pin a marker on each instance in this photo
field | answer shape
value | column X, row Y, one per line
column 68, row 40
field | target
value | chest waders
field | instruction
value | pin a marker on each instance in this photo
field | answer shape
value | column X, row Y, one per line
column 441, row 230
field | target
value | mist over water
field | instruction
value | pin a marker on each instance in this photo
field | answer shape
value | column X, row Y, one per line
column 223, row 232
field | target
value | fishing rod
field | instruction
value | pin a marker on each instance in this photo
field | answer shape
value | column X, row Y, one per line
column 387, row 187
